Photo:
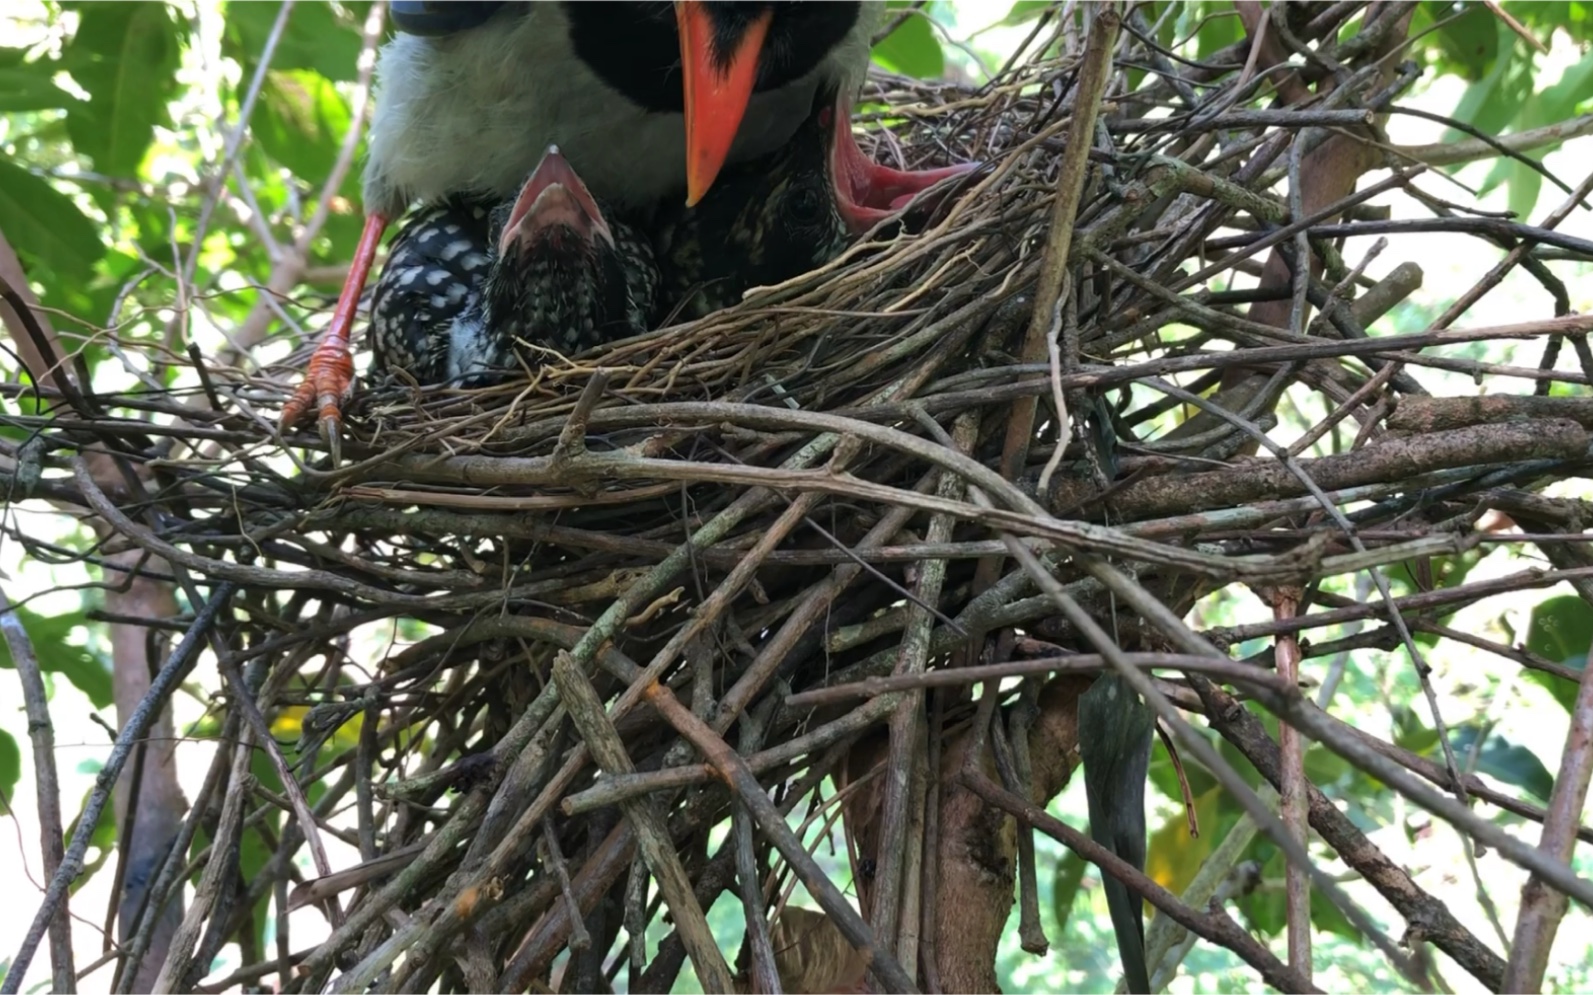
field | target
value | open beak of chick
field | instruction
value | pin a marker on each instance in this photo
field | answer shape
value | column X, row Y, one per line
column 553, row 201
column 865, row 191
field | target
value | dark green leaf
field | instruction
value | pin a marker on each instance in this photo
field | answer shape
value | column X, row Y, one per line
column 1065, row 880
column 28, row 87
column 1505, row 761
column 50, row 636
column 10, row 766
column 1326, row 917
column 126, row 56
column 1493, row 102
column 315, row 38
column 42, row 222
column 913, row 49
column 1466, row 45
column 1561, row 630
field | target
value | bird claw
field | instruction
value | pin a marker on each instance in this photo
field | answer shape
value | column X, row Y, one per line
column 329, row 379
column 327, row 384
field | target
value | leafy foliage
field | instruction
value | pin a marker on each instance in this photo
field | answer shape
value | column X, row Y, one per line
column 51, row 636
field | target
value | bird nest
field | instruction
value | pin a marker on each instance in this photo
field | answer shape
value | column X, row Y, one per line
column 694, row 574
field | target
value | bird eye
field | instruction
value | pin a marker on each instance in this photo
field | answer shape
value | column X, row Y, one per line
column 805, row 205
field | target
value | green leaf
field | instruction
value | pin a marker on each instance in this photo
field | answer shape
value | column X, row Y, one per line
column 1065, row 880
column 1172, row 856
column 913, row 49
column 1493, row 102
column 43, row 223
column 78, row 664
column 126, row 56
column 1024, row 11
column 28, row 87
column 1565, row 97
column 1506, row 761
column 1525, row 183
column 300, row 122
column 10, row 766
column 102, row 840
column 1266, row 910
column 314, row 38
column 1410, row 733
column 1466, row 45
column 1561, row 630
column 1326, row 917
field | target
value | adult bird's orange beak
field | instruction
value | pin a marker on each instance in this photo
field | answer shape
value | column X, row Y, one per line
column 718, row 85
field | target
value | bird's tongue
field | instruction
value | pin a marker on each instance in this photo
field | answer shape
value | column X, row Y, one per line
column 865, row 191
column 553, row 197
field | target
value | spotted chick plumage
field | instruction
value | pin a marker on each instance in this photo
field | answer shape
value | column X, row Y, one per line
column 471, row 290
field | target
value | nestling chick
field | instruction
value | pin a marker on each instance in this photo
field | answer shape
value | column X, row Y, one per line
column 763, row 222
column 469, row 291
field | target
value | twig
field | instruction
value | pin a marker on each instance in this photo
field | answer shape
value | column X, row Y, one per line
column 46, row 784
column 586, row 711
column 579, row 938
column 133, row 729
column 730, row 766
column 1215, row 925
column 1428, row 917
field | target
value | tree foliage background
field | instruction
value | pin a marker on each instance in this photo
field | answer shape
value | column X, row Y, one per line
column 146, row 188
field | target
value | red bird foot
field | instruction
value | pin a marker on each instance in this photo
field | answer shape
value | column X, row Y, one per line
column 329, row 378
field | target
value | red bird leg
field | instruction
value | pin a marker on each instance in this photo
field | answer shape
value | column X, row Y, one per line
column 330, row 375
column 867, row 192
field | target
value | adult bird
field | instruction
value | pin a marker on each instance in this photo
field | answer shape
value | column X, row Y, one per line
column 472, row 290
column 1115, row 736
column 648, row 100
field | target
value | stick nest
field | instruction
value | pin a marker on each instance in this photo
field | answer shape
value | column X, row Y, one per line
column 797, row 493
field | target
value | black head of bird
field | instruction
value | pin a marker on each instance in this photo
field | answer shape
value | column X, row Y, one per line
column 469, row 291
column 707, row 60
column 763, row 222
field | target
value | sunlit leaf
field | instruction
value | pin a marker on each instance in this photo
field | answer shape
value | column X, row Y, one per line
column 300, row 122
column 1172, row 856
column 50, row 635
column 28, row 87
column 42, row 222
column 314, row 39
column 1024, row 11
column 126, row 56
column 913, row 49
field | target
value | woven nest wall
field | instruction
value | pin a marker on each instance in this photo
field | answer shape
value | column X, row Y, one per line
column 646, row 589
